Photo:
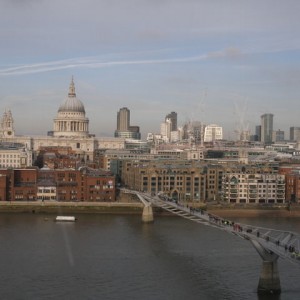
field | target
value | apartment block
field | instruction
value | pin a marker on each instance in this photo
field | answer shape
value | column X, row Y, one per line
column 253, row 188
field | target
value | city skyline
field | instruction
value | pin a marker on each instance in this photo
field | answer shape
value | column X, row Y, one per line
column 213, row 62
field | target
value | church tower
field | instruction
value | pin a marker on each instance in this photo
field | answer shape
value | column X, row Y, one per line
column 7, row 125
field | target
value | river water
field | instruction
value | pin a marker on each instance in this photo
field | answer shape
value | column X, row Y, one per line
column 118, row 257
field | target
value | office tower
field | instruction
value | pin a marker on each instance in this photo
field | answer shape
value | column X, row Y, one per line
column 124, row 130
column 258, row 133
column 266, row 128
column 278, row 136
column 294, row 134
column 173, row 117
column 123, row 119
column 166, row 129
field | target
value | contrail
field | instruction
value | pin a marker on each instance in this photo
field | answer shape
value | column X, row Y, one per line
column 89, row 63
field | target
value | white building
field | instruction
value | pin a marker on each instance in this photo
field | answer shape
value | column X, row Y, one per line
column 165, row 129
column 254, row 188
column 71, row 120
column 15, row 156
column 212, row 133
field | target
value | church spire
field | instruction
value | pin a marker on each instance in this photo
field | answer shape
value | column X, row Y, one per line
column 72, row 89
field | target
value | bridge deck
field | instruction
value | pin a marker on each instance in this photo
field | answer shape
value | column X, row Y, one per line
column 285, row 244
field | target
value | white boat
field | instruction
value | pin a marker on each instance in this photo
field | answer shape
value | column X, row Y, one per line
column 65, row 218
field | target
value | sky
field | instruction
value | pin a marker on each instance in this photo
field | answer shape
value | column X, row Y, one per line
column 222, row 62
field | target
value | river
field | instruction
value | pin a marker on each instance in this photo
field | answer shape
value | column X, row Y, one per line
column 118, row 257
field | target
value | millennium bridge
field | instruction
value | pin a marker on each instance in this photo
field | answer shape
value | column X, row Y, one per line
column 269, row 243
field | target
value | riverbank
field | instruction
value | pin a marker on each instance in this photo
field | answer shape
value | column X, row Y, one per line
column 255, row 213
column 51, row 207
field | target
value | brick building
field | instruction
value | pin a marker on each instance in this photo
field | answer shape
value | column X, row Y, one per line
column 84, row 184
column 180, row 180
column 292, row 187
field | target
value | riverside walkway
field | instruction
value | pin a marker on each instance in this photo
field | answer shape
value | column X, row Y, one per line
column 269, row 243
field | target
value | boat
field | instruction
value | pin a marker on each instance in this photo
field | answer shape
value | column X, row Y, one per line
column 65, row 218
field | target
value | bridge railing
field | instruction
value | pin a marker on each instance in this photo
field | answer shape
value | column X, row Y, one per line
column 285, row 244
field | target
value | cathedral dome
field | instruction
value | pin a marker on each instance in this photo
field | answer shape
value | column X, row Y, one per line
column 71, row 103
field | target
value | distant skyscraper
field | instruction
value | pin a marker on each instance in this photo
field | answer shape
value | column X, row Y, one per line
column 294, row 134
column 124, row 129
column 266, row 128
column 258, row 133
column 166, row 129
column 278, row 136
column 173, row 117
column 123, row 119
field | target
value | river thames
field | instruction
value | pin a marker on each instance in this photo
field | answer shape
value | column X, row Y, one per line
column 119, row 257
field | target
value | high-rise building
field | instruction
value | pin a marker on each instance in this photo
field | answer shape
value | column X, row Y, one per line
column 166, row 129
column 294, row 134
column 173, row 118
column 124, row 129
column 278, row 136
column 123, row 119
column 266, row 128
column 257, row 133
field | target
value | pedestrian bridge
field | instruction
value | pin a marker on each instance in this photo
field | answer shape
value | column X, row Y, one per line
column 269, row 243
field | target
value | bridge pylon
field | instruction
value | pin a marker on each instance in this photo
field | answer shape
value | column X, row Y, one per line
column 147, row 216
column 269, row 281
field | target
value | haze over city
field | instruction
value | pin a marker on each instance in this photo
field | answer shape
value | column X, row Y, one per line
column 223, row 62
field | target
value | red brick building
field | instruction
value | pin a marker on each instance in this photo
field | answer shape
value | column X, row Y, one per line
column 292, row 182
column 84, row 184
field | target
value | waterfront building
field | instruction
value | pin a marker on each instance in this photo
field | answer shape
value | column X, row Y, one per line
column 293, row 187
column 292, row 175
column 45, row 184
column 257, row 185
column 214, row 175
column 266, row 128
column 180, row 180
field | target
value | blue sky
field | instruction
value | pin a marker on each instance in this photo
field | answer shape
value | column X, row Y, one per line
column 217, row 61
